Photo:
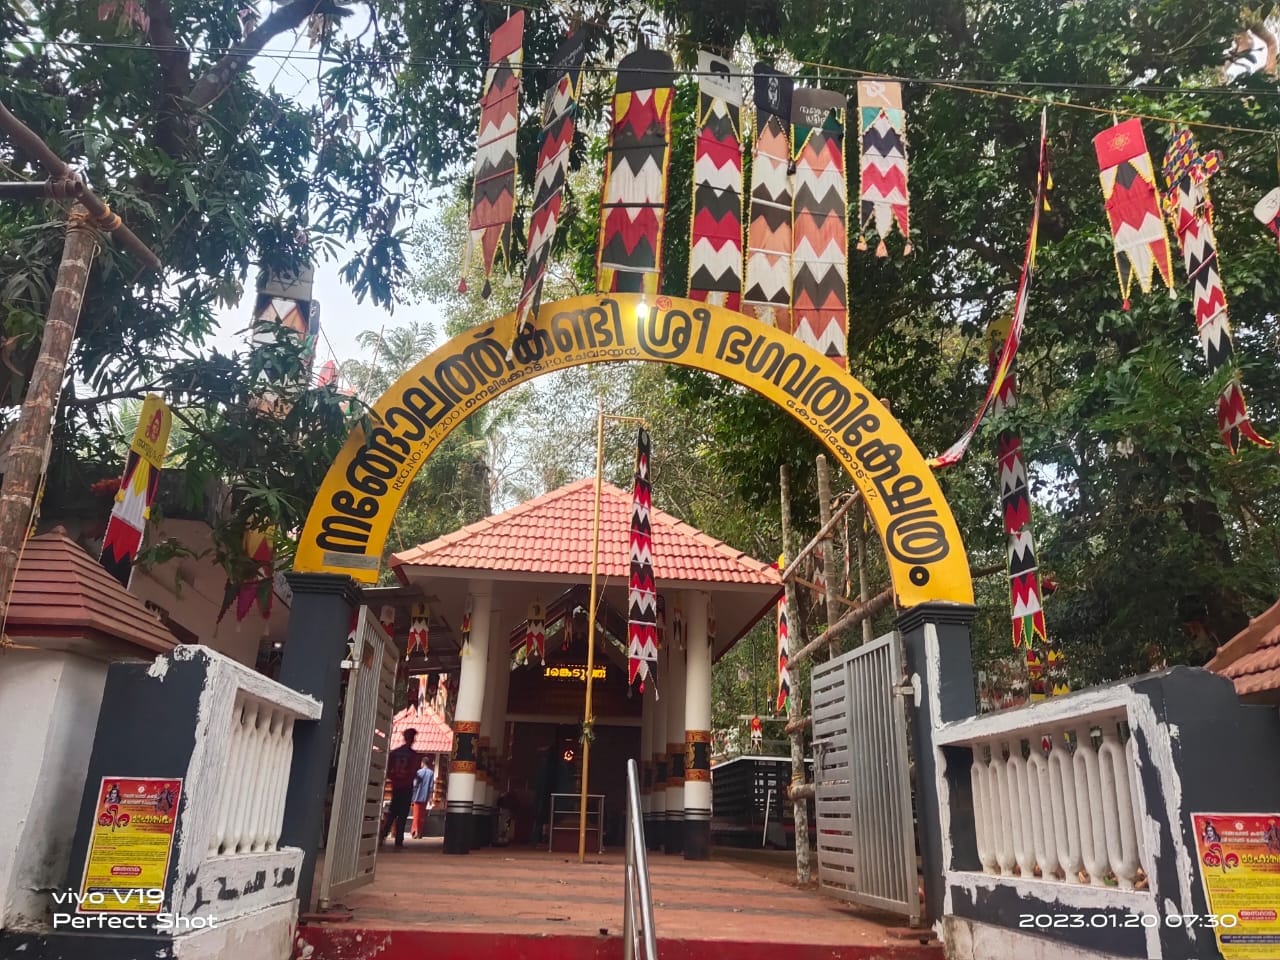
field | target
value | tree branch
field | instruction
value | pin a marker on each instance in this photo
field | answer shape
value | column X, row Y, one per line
column 288, row 17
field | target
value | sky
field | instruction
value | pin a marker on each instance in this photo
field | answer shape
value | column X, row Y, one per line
column 341, row 317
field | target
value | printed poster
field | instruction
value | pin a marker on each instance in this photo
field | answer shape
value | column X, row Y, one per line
column 133, row 828
column 1239, row 858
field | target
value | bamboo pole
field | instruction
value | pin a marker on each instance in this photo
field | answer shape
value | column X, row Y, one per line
column 864, row 587
column 808, row 548
column 29, row 450
column 800, row 810
column 869, row 609
column 828, row 548
column 587, row 727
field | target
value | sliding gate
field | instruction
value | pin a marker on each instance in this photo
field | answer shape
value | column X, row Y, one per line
column 355, row 819
column 865, row 828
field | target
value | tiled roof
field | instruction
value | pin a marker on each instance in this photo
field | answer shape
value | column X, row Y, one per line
column 1251, row 659
column 60, row 590
column 552, row 534
column 434, row 735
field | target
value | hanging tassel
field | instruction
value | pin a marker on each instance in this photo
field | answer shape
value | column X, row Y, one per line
column 908, row 250
column 881, row 249
column 487, row 290
column 1126, row 305
column 862, row 244
column 462, row 285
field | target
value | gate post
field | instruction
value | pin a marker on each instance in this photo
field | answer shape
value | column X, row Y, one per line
column 315, row 646
column 939, row 666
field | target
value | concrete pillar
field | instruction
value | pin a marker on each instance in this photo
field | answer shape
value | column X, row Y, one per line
column 672, row 686
column 697, row 730
column 315, row 646
column 460, row 800
column 938, row 661
column 658, row 789
column 482, row 811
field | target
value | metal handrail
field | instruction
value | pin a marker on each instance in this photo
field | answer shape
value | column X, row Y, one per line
column 638, row 897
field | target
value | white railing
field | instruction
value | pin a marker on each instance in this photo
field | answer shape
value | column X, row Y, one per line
column 1059, row 803
column 255, row 777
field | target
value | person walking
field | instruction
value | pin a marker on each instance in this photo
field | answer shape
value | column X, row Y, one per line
column 424, row 782
column 401, row 764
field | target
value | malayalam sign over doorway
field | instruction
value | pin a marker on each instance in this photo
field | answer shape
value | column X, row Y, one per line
column 133, row 828
column 1239, row 858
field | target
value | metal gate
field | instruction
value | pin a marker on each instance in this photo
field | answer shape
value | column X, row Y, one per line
column 355, row 819
column 865, row 828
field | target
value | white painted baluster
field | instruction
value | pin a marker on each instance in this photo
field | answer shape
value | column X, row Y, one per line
column 1093, row 834
column 982, row 812
column 282, row 786
column 1066, row 818
column 241, row 777
column 226, row 792
column 1005, row 856
column 256, row 778
column 258, row 826
column 1117, row 804
column 1020, row 808
column 1042, row 814
column 1135, row 788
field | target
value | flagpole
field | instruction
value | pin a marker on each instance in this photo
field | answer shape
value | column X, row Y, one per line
column 587, row 717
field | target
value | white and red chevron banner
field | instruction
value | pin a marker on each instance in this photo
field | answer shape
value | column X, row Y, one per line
column 882, row 125
column 768, row 279
column 642, row 593
column 715, row 242
column 1190, row 209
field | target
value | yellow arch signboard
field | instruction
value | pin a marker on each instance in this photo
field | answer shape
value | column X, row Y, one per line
column 347, row 527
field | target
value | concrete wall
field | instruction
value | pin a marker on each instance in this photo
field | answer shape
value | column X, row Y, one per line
column 51, row 699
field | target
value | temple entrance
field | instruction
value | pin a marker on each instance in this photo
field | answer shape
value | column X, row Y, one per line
column 481, row 600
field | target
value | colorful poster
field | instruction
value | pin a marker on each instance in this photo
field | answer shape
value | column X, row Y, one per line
column 1239, row 857
column 128, row 862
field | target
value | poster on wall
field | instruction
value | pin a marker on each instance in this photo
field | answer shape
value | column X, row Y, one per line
column 1239, row 858
column 133, row 828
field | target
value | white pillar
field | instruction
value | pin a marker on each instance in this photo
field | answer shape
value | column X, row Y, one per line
column 460, row 801
column 672, row 687
column 484, row 797
column 658, row 744
column 645, row 760
column 697, row 730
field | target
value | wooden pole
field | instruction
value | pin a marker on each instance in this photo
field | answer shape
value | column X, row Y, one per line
column 869, row 609
column 808, row 548
column 28, row 454
column 828, row 549
column 587, row 728
column 800, row 808
column 864, row 589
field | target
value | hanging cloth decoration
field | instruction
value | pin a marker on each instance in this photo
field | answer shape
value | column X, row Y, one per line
column 493, row 195
column 715, row 244
column 1004, row 362
column 1267, row 210
column 387, row 618
column 632, row 210
column 258, row 588
column 784, row 648
column 559, row 110
column 1015, row 507
column 419, row 634
column 768, row 283
column 883, row 127
column 642, row 596
column 465, row 627
column 1190, row 209
column 1133, row 210
column 819, row 239
column 535, row 635
column 138, row 486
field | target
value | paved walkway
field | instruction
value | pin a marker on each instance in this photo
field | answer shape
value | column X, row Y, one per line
column 739, row 896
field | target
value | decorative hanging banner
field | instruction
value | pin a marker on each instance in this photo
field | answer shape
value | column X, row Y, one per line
column 535, row 633
column 715, row 244
column 882, row 124
column 1267, row 210
column 1190, row 209
column 819, row 238
column 559, row 110
column 642, row 595
column 768, row 290
column 1133, row 210
column 493, row 195
column 138, row 486
column 632, row 211
column 1003, row 364
column 1015, row 507
column 258, row 588
column 419, row 619
column 387, row 618
column 784, row 652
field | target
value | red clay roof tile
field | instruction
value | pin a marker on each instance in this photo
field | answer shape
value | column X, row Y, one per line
column 552, row 534
column 1251, row 659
